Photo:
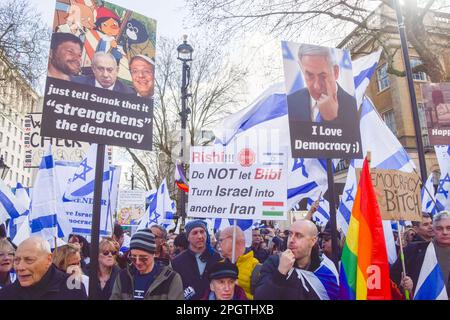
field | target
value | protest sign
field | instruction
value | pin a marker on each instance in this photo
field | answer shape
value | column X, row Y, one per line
column 436, row 98
column 100, row 80
column 79, row 211
column 398, row 194
column 130, row 207
column 322, row 111
column 237, row 184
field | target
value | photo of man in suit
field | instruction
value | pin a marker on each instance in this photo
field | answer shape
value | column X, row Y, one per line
column 105, row 69
column 323, row 99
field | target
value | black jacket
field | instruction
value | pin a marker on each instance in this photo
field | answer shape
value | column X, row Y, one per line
column 186, row 265
column 105, row 293
column 414, row 255
column 260, row 254
column 273, row 285
column 299, row 106
column 52, row 286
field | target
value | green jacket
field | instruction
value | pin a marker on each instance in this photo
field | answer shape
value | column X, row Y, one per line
column 166, row 286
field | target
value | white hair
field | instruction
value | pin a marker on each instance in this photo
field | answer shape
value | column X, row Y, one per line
column 439, row 216
column 101, row 54
column 313, row 50
column 41, row 244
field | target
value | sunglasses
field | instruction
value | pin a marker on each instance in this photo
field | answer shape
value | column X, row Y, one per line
column 107, row 252
column 143, row 259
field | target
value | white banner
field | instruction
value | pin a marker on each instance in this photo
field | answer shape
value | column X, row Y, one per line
column 79, row 212
column 237, row 183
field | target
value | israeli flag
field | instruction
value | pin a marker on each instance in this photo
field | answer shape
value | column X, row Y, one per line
column 322, row 215
column 430, row 285
column 429, row 202
column 324, row 280
column 47, row 215
column 23, row 197
column 161, row 209
column 442, row 193
column 83, row 181
column 10, row 206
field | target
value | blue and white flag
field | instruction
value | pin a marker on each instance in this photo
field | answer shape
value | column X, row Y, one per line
column 443, row 190
column 429, row 204
column 23, row 197
column 431, row 284
column 83, row 181
column 47, row 215
column 322, row 215
column 161, row 209
column 324, row 280
column 10, row 206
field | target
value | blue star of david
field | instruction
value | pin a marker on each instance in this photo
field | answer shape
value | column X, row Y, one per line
column 448, row 151
column 346, row 61
column 86, row 169
column 441, row 185
column 155, row 220
column 300, row 163
column 349, row 194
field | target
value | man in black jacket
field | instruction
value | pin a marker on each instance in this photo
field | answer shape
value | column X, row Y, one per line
column 38, row 278
column 194, row 263
column 424, row 229
column 277, row 279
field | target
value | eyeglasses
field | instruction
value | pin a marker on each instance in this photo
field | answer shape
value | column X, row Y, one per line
column 6, row 255
column 107, row 252
column 143, row 259
column 145, row 73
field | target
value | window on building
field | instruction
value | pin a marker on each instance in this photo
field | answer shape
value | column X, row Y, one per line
column 15, row 131
column 383, row 78
column 14, row 145
column 389, row 119
column 423, row 124
column 12, row 160
column 7, row 141
column 9, row 126
column 421, row 76
column 28, row 182
column 6, row 156
column 18, row 163
column 10, row 175
column 23, row 180
column 20, row 148
column 17, row 177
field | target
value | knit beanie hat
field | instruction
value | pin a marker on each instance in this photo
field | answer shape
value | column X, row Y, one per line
column 195, row 224
column 223, row 269
column 143, row 240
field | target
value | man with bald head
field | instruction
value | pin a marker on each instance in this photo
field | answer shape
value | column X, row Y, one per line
column 38, row 278
column 278, row 281
column 247, row 264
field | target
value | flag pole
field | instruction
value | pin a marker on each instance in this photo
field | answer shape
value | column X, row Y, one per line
column 95, row 228
column 402, row 256
column 331, row 199
column 424, row 185
column 233, row 252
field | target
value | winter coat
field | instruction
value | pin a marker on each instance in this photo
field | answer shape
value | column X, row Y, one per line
column 273, row 285
column 54, row 285
column 167, row 285
column 246, row 265
column 185, row 264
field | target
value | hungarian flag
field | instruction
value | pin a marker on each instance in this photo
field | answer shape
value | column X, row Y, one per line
column 273, row 208
column 364, row 272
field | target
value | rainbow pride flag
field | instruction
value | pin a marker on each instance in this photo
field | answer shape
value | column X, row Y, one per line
column 364, row 272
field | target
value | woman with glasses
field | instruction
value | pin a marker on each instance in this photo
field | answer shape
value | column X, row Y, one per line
column 107, row 269
column 67, row 258
column 7, row 274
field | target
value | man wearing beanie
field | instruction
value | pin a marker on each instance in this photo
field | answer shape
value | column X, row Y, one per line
column 222, row 286
column 194, row 263
column 144, row 279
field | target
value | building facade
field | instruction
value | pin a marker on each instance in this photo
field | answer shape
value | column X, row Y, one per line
column 17, row 98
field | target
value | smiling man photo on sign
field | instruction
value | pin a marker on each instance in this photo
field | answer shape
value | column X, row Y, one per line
column 323, row 99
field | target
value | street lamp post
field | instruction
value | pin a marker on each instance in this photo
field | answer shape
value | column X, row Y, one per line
column 131, row 177
column 412, row 93
column 3, row 168
column 185, row 56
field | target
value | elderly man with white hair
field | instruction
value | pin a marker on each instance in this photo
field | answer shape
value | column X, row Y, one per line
column 38, row 278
